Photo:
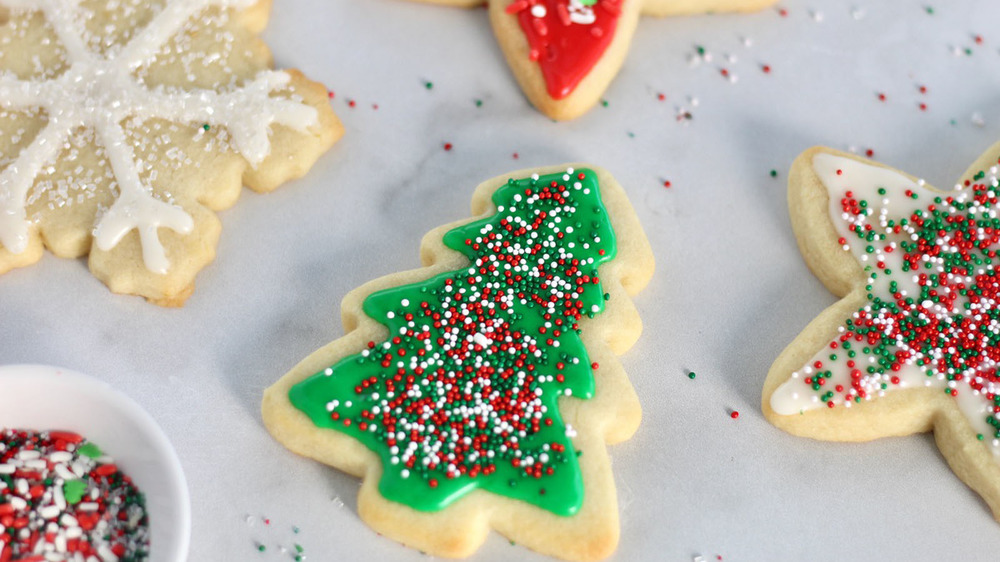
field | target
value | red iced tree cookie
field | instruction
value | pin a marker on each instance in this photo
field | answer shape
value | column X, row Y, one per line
column 565, row 53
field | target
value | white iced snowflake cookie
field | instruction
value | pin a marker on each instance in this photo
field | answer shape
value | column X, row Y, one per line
column 124, row 124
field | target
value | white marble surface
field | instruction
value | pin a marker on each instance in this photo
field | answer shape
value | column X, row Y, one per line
column 729, row 293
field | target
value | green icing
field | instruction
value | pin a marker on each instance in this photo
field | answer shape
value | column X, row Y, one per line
column 477, row 358
column 90, row 450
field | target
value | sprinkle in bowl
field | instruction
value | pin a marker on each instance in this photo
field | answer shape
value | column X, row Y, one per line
column 43, row 398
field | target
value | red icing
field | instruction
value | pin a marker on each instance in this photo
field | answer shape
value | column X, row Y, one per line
column 566, row 51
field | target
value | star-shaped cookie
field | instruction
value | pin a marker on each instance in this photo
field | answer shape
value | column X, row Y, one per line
column 914, row 343
column 564, row 53
column 124, row 124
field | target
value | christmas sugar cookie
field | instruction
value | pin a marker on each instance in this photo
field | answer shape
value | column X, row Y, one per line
column 914, row 343
column 480, row 391
column 123, row 125
column 564, row 53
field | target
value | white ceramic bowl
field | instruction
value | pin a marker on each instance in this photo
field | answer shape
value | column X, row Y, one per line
column 42, row 398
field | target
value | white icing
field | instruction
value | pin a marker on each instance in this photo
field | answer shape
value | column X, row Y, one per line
column 840, row 175
column 864, row 181
column 578, row 13
column 100, row 92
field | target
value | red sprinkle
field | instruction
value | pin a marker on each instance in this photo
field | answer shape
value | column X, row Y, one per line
column 734, row 414
column 106, row 469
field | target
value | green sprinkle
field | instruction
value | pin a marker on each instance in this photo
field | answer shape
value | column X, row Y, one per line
column 261, row 548
column 206, row 126
column 604, row 103
column 479, row 103
column 73, row 491
column 929, row 10
column 88, row 449
column 774, row 173
column 298, row 548
column 692, row 375
column 429, row 85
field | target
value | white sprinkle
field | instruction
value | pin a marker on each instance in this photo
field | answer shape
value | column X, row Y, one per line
column 28, row 455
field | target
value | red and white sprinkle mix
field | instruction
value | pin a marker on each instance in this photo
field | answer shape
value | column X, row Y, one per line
column 58, row 503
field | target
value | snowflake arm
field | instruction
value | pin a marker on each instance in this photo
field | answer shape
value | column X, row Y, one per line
column 228, row 109
column 144, row 46
column 19, row 94
column 135, row 207
column 19, row 176
column 69, row 29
